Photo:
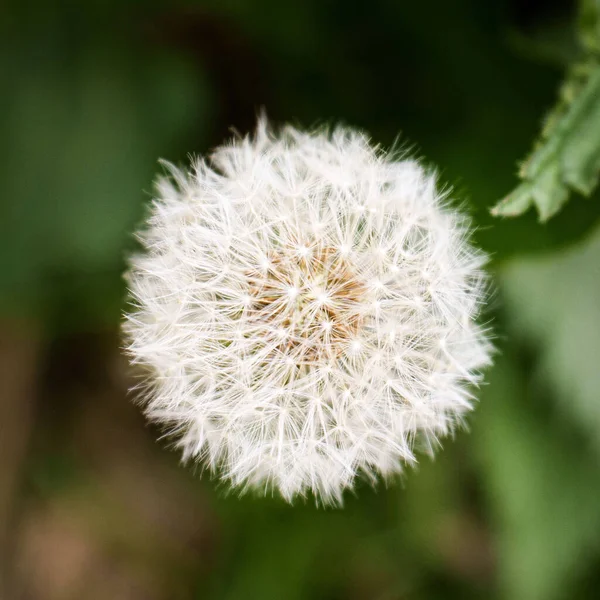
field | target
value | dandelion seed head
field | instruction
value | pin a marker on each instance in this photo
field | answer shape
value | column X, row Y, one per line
column 305, row 306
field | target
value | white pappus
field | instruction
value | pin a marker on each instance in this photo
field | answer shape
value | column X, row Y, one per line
column 305, row 309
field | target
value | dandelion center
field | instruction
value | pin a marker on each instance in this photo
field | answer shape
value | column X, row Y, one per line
column 308, row 302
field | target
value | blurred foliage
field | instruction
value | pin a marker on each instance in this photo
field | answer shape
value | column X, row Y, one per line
column 95, row 93
column 89, row 111
column 558, row 319
column 544, row 485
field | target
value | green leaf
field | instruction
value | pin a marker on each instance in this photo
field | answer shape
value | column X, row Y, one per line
column 567, row 158
column 589, row 25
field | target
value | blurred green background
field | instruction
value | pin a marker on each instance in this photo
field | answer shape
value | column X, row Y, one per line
column 91, row 506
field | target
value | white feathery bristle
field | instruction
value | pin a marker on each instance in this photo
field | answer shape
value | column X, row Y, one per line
column 305, row 309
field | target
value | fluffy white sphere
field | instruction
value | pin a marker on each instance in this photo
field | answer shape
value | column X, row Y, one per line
column 305, row 307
